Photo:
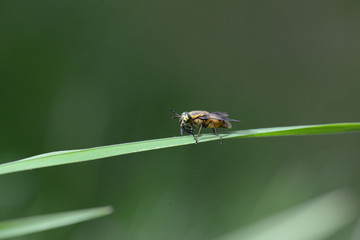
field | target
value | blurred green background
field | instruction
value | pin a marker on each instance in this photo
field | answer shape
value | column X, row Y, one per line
column 78, row 74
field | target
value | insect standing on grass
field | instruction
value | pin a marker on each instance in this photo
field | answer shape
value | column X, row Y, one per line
column 203, row 119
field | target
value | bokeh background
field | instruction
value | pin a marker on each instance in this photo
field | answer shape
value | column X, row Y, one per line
column 78, row 74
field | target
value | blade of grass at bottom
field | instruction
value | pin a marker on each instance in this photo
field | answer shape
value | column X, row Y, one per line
column 317, row 219
column 74, row 156
column 22, row 226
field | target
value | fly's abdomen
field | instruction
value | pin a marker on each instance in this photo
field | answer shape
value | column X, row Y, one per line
column 227, row 124
column 215, row 123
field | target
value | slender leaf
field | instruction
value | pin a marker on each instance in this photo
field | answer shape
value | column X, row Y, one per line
column 317, row 219
column 74, row 156
column 22, row 226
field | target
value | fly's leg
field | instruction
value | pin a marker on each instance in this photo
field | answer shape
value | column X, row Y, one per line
column 190, row 130
column 186, row 129
column 216, row 132
column 197, row 137
column 182, row 130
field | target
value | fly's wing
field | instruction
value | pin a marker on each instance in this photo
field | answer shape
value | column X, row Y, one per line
column 218, row 116
column 224, row 114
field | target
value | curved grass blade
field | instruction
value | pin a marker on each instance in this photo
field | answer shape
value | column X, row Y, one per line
column 75, row 156
column 317, row 219
column 23, row 226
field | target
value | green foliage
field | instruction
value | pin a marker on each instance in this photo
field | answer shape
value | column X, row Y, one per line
column 22, row 226
column 283, row 226
column 74, row 156
column 313, row 220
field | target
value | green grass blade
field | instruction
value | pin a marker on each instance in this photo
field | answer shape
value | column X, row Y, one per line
column 317, row 219
column 23, row 226
column 74, row 156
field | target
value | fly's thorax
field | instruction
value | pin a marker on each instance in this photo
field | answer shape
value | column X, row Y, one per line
column 198, row 121
column 197, row 113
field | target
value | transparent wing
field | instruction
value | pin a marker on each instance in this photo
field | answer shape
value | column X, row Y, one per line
column 217, row 116
column 225, row 114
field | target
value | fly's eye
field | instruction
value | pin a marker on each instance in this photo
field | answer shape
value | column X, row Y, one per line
column 185, row 116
